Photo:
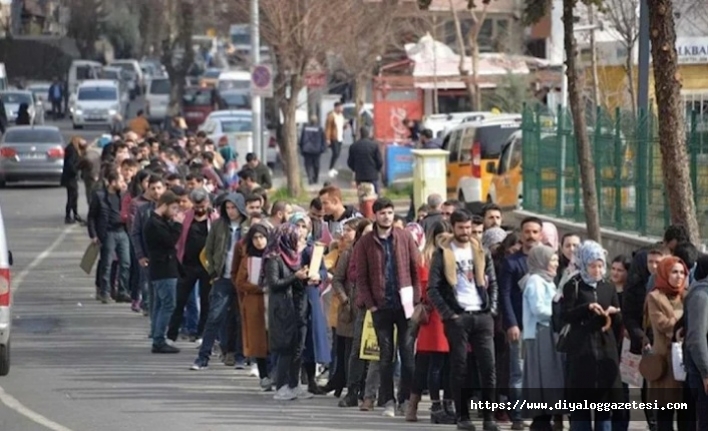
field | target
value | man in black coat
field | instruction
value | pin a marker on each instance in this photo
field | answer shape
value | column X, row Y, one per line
column 312, row 145
column 365, row 159
column 70, row 180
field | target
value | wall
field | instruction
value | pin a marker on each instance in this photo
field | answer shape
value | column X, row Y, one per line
column 614, row 241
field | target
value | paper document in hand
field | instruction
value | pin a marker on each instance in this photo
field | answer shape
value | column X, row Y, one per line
column 407, row 300
column 254, row 269
column 316, row 260
column 90, row 257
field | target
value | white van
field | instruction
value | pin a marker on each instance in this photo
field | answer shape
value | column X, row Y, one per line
column 98, row 101
column 5, row 301
column 133, row 66
column 81, row 70
column 157, row 99
column 234, row 80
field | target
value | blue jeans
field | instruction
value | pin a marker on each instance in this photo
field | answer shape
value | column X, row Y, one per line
column 581, row 420
column 145, row 289
column 165, row 297
column 221, row 299
column 191, row 314
column 118, row 243
column 516, row 376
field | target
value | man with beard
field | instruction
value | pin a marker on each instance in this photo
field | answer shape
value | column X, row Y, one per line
column 466, row 301
column 195, row 229
column 279, row 214
column 162, row 231
column 513, row 269
column 386, row 272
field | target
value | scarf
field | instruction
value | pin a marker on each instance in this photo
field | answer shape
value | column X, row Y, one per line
column 538, row 260
column 251, row 250
column 284, row 244
column 549, row 235
column 589, row 252
column 663, row 272
column 493, row 236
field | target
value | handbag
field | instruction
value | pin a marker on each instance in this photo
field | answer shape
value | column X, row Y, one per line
column 562, row 343
column 421, row 314
column 677, row 365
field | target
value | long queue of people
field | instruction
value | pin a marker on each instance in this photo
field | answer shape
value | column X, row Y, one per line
column 462, row 307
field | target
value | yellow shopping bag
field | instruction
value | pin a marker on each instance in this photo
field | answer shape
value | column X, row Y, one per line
column 369, row 350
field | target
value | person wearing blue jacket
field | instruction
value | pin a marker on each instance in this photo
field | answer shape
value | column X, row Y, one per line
column 312, row 145
column 514, row 268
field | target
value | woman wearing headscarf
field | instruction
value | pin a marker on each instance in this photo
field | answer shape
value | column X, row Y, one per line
column 285, row 278
column 23, row 116
column 549, row 235
column 543, row 365
column 492, row 238
column 664, row 306
column 590, row 306
column 317, row 348
column 343, row 290
column 251, row 301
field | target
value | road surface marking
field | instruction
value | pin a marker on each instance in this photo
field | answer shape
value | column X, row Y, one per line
column 11, row 402
column 41, row 257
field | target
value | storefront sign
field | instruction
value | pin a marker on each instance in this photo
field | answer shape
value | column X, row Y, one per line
column 692, row 50
column 389, row 116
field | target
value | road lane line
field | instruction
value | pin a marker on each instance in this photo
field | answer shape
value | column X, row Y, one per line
column 11, row 402
column 41, row 257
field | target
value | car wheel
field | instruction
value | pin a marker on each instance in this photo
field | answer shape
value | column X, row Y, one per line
column 5, row 359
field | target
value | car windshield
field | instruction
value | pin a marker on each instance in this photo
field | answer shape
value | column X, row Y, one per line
column 98, row 93
column 110, row 74
column 125, row 66
column 234, row 125
column 40, row 91
column 160, row 86
column 33, row 136
column 197, row 98
column 241, row 39
column 237, row 100
column 16, row 98
column 212, row 73
column 234, row 84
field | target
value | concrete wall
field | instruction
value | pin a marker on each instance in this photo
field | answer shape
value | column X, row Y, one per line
column 614, row 241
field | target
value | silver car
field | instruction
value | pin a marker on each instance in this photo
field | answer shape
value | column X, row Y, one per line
column 14, row 98
column 31, row 153
column 41, row 94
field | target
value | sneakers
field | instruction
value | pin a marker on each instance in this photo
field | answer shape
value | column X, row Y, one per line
column 266, row 384
column 239, row 365
column 254, row 371
column 284, row 393
column 199, row 364
column 164, row 348
column 389, row 410
column 333, row 173
column 230, row 359
column 135, row 306
column 302, row 393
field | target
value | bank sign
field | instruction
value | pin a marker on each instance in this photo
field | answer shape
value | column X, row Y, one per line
column 692, row 50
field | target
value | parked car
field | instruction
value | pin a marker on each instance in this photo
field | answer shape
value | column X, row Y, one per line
column 197, row 104
column 157, row 99
column 237, row 127
column 234, row 99
column 5, row 301
column 210, row 77
column 133, row 66
column 31, row 153
column 14, row 98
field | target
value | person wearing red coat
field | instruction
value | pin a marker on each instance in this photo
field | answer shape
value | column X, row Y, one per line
column 431, row 359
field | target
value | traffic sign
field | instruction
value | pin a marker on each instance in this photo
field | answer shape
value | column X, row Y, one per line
column 261, row 81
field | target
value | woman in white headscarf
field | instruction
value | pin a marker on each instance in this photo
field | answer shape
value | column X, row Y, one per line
column 590, row 306
column 543, row 365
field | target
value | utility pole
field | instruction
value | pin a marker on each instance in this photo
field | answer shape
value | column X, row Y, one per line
column 256, row 100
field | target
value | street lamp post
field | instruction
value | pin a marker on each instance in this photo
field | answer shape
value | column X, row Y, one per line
column 256, row 100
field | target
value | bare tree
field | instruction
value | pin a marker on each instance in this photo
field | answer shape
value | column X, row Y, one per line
column 84, row 25
column 478, row 18
column 298, row 33
column 672, row 136
column 177, row 52
column 623, row 16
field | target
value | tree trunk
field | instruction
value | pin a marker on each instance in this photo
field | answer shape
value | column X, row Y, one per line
column 477, row 102
column 587, row 168
column 182, row 27
column 359, row 99
column 672, row 137
column 288, row 145
column 629, row 70
column 461, row 47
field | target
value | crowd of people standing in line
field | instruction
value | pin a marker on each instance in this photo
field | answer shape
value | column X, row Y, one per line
column 458, row 302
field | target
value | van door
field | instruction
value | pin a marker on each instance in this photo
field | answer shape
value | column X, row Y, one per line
column 451, row 143
column 460, row 160
column 507, row 181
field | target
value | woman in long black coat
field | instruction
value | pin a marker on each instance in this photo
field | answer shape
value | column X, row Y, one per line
column 591, row 307
column 70, row 180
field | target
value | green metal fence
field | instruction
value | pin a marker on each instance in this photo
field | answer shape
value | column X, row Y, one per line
column 627, row 162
